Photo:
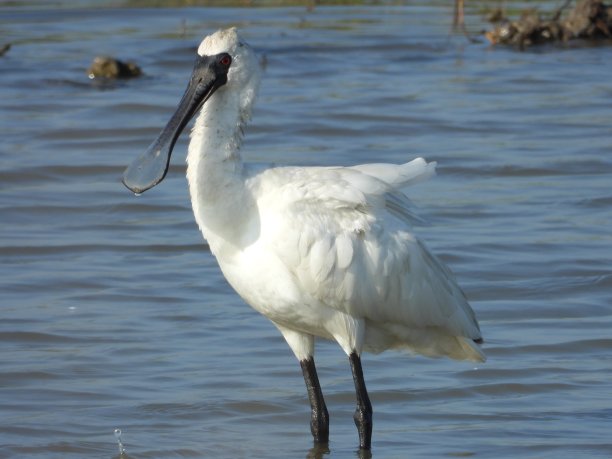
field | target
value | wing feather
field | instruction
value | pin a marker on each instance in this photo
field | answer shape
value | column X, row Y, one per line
column 333, row 229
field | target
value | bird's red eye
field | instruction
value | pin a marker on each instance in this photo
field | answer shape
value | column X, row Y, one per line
column 225, row 60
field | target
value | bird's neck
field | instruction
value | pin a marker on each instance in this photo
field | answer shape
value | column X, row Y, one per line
column 215, row 169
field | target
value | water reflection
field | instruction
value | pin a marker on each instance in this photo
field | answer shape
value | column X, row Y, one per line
column 318, row 451
column 364, row 454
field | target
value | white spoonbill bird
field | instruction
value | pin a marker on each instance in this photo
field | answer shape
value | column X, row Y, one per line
column 320, row 251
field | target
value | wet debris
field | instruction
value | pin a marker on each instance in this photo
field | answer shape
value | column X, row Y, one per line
column 109, row 68
column 4, row 49
column 588, row 20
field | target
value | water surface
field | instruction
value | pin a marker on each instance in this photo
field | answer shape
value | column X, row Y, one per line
column 113, row 313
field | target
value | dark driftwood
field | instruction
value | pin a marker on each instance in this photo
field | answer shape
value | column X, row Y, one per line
column 588, row 20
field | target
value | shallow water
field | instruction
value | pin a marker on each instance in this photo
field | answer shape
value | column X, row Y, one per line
column 114, row 314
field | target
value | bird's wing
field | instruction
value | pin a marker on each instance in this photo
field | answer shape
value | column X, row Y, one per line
column 395, row 177
column 343, row 234
column 402, row 175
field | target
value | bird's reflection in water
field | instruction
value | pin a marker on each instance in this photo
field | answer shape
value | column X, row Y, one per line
column 318, row 451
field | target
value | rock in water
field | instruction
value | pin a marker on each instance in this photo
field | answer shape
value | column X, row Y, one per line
column 109, row 67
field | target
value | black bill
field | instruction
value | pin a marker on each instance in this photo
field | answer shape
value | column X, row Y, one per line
column 209, row 73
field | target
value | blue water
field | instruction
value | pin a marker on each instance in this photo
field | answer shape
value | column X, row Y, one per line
column 113, row 313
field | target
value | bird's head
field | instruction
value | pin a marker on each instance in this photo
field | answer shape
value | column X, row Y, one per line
column 224, row 64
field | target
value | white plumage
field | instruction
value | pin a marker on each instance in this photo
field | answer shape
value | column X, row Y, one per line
column 320, row 251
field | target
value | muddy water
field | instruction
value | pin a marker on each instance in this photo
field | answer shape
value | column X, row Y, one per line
column 113, row 314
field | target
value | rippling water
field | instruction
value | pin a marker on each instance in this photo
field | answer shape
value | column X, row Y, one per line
column 114, row 314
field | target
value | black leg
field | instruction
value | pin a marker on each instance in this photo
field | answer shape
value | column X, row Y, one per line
column 319, row 422
column 363, row 412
